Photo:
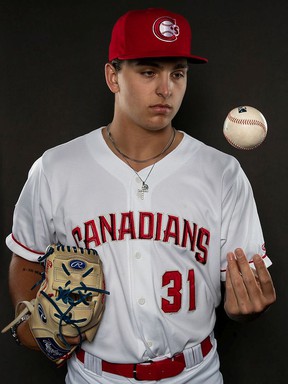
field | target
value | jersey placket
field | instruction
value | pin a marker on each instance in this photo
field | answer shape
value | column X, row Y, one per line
column 141, row 274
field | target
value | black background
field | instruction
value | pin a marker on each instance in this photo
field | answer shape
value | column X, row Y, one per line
column 52, row 89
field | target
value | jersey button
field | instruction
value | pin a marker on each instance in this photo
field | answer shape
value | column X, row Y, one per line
column 141, row 301
column 138, row 255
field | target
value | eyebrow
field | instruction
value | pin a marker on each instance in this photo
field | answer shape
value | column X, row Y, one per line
column 158, row 64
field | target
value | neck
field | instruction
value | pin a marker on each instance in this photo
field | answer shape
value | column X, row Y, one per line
column 141, row 147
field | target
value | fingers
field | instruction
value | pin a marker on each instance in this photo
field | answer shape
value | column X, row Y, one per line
column 242, row 277
column 264, row 279
column 75, row 340
column 247, row 292
column 239, row 262
column 241, row 283
column 231, row 303
column 262, row 276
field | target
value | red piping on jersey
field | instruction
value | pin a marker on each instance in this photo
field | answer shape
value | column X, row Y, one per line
column 23, row 246
column 250, row 262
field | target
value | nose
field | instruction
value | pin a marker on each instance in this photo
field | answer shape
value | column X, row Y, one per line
column 164, row 87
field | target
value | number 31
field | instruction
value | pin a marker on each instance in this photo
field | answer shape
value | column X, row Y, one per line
column 174, row 291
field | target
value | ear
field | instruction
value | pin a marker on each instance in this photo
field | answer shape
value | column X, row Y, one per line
column 111, row 76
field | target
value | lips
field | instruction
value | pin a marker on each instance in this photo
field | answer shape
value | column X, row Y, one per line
column 161, row 108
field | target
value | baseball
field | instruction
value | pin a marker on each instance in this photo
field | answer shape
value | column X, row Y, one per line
column 166, row 28
column 245, row 127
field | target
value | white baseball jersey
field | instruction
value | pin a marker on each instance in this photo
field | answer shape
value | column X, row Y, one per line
column 164, row 251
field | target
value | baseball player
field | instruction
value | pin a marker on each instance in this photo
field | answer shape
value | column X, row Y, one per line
column 169, row 216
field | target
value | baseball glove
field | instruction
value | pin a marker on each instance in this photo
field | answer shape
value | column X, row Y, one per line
column 69, row 303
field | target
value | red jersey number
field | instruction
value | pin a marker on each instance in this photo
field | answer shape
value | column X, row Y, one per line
column 174, row 279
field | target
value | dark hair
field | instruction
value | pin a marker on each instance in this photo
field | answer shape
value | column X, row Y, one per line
column 116, row 64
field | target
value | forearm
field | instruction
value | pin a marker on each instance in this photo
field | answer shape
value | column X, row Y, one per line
column 23, row 275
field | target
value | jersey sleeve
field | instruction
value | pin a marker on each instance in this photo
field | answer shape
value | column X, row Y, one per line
column 240, row 226
column 33, row 228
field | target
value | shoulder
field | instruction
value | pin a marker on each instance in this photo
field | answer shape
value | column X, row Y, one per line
column 216, row 167
column 73, row 148
column 70, row 152
column 207, row 156
column 67, row 158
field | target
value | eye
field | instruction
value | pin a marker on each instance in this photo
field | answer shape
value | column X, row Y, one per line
column 178, row 75
column 148, row 73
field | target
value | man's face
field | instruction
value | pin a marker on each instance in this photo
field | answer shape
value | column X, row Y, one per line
column 151, row 91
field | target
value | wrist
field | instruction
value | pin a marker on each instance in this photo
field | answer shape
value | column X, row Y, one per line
column 14, row 328
column 25, row 336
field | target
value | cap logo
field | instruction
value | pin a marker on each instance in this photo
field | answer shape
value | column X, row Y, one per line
column 166, row 29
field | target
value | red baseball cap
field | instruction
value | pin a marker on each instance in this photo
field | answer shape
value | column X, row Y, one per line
column 152, row 32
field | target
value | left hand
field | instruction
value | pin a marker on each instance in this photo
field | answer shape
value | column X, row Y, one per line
column 248, row 292
column 77, row 340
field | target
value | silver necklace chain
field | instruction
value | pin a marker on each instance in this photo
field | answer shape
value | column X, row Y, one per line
column 145, row 187
column 167, row 146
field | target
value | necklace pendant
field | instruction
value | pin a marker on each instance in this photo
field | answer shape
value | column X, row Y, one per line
column 144, row 189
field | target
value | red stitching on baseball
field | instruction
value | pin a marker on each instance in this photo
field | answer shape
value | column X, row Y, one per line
column 246, row 121
column 245, row 148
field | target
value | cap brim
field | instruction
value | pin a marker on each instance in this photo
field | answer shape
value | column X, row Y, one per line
column 191, row 59
column 197, row 60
